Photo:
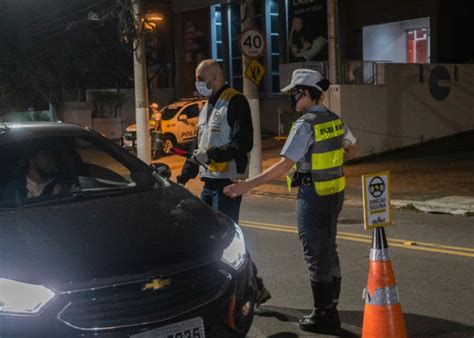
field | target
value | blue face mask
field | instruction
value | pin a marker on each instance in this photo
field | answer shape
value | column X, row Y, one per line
column 202, row 89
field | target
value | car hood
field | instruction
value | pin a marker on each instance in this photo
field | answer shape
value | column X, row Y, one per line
column 109, row 236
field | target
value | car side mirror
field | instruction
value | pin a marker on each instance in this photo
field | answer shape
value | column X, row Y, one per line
column 162, row 169
column 183, row 118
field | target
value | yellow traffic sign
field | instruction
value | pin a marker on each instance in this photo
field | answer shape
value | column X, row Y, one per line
column 377, row 200
column 255, row 71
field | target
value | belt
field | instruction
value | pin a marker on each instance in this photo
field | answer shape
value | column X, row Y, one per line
column 306, row 181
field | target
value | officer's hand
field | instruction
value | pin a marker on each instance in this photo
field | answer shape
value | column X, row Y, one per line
column 199, row 157
column 237, row 189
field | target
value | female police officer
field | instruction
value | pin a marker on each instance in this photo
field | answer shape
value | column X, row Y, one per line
column 318, row 144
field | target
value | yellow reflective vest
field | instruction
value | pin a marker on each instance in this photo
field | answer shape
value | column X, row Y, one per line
column 326, row 154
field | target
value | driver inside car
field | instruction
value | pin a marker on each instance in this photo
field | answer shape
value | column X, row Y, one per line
column 41, row 175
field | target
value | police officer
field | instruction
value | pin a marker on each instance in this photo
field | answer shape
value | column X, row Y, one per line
column 224, row 140
column 319, row 142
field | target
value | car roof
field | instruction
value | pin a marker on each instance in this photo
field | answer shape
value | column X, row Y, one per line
column 183, row 103
column 13, row 132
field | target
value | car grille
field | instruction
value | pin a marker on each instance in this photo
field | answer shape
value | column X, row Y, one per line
column 130, row 305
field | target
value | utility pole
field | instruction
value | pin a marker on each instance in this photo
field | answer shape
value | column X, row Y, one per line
column 333, row 30
column 247, row 13
column 141, row 92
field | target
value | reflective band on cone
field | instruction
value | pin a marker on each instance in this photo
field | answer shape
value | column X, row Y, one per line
column 383, row 315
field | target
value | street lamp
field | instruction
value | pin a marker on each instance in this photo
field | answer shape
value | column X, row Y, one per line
column 151, row 19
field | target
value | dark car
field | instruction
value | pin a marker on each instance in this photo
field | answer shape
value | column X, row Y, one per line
column 106, row 246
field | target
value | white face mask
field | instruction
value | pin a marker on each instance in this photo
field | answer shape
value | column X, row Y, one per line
column 202, row 89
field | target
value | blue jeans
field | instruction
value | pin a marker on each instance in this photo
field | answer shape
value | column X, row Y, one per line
column 213, row 195
column 317, row 228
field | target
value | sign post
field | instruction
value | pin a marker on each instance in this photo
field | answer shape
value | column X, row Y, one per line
column 377, row 200
column 252, row 45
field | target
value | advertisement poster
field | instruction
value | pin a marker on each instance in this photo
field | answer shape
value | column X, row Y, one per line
column 307, row 30
column 196, row 32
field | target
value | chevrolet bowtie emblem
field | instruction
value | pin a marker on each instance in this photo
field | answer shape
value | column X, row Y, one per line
column 157, row 284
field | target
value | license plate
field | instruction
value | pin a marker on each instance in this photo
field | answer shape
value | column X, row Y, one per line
column 191, row 328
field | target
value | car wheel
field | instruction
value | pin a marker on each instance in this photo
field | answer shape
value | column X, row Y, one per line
column 168, row 144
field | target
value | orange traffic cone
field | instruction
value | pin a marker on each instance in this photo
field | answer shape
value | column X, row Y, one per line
column 383, row 315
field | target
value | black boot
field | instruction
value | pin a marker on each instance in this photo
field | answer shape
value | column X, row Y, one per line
column 336, row 289
column 324, row 318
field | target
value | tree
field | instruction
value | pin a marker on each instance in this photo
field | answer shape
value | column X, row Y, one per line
column 50, row 45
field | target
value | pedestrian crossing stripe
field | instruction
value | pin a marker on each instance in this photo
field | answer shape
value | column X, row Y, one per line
column 255, row 72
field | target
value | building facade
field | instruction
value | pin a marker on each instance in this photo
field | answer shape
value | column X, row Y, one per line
column 375, row 37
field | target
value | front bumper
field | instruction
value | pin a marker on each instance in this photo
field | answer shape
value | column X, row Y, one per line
column 223, row 313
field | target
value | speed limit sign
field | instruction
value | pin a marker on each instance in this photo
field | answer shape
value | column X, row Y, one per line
column 252, row 43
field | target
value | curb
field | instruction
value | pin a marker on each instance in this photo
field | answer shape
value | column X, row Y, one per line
column 453, row 205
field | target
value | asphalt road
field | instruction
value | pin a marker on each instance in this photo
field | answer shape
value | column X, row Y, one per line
column 432, row 256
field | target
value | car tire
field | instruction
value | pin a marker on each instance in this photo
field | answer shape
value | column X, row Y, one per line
column 168, row 143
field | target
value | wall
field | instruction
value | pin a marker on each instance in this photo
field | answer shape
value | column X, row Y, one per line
column 402, row 111
column 354, row 15
column 387, row 42
column 80, row 112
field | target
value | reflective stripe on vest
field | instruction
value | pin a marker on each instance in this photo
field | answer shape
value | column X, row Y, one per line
column 218, row 167
column 334, row 186
column 327, row 130
column 327, row 160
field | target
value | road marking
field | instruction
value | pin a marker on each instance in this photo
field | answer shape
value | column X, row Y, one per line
column 398, row 243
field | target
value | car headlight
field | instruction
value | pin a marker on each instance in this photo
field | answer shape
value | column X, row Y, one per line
column 234, row 254
column 22, row 298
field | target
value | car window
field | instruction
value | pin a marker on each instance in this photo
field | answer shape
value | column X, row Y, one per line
column 53, row 168
column 168, row 113
column 191, row 111
column 101, row 165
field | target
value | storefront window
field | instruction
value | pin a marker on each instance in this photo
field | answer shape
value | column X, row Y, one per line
column 417, row 45
column 226, row 28
column 273, row 51
column 216, row 31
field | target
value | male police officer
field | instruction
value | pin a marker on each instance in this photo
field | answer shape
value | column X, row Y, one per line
column 224, row 140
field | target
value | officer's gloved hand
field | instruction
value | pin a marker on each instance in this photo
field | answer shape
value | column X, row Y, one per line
column 199, row 157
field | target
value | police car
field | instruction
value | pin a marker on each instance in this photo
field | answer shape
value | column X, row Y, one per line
column 178, row 125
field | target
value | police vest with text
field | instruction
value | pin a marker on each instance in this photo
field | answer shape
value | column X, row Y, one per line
column 214, row 131
column 325, row 157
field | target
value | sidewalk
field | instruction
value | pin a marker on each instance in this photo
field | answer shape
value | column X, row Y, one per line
column 419, row 177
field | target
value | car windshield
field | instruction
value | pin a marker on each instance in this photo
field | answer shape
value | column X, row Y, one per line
column 169, row 112
column 53, row 169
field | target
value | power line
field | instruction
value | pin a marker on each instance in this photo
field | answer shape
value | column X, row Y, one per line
column 60, row 23
column 76, row 12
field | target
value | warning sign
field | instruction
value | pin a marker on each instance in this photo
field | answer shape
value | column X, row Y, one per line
column 255, row 71
column 377, row 202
